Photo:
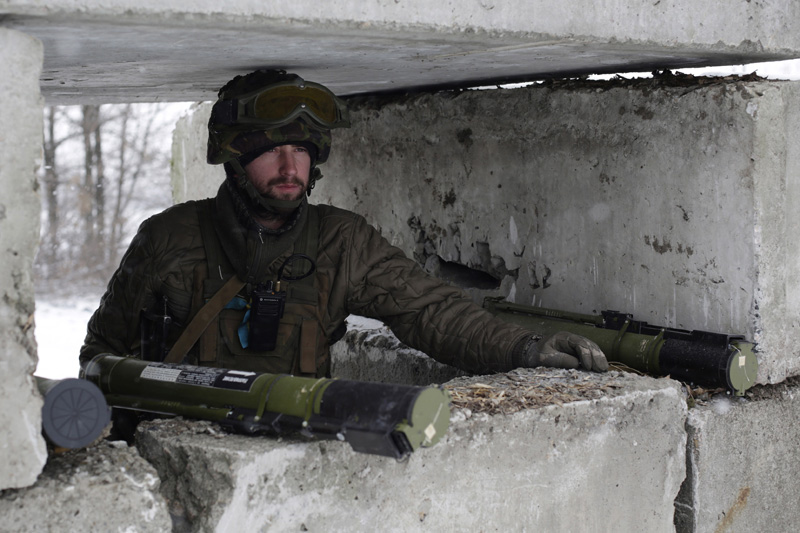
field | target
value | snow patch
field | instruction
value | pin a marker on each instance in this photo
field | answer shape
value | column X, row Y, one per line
column 60, row 331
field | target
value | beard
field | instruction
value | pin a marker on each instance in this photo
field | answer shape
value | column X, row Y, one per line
column 277, row 189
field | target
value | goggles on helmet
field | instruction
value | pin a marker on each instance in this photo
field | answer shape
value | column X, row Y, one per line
column 281, row 103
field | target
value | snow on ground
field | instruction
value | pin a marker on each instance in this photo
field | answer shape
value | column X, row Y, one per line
column 60, row 329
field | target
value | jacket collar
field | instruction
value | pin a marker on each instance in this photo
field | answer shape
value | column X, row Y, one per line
column 250, row 247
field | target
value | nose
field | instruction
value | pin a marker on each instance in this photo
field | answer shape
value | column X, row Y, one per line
column 288, row 166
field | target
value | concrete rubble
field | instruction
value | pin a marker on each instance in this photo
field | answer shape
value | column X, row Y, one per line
column 107, row 487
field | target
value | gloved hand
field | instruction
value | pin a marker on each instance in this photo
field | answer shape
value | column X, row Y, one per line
column 562, row 350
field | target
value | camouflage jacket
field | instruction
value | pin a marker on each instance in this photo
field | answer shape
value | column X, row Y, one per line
column 357, row 272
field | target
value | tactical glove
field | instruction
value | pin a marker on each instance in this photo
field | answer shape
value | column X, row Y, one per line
column 561, row 350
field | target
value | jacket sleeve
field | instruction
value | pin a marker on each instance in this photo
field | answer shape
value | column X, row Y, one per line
column 115, row 326
column 425, row 312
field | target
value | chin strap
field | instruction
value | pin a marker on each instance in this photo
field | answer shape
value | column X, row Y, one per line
column 312, row 180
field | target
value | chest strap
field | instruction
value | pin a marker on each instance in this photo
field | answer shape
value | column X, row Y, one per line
column 202, row 319
column 307, row 244
column 209, row 310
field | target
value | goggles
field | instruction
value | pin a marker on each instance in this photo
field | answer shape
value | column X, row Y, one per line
column 281, row 103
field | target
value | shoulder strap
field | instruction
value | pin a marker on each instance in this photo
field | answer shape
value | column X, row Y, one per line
column 307, row 244
column 209, row 311
column 202, row 319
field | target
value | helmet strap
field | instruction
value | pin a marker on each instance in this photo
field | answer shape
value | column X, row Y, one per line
column 313, row 176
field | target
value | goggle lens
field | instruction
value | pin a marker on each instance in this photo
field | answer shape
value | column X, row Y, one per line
column 277, row 104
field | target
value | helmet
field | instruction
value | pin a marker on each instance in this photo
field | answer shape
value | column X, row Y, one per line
column 270, row 107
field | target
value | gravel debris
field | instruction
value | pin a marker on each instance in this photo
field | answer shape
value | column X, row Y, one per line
column 529, row 388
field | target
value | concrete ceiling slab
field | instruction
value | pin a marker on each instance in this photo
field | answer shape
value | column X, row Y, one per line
column 113, row 51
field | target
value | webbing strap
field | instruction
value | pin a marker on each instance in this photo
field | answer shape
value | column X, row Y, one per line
column 202, row 319
column 209, row 310
column 307, row 243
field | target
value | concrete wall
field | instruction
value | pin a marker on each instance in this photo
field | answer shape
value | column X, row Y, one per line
column 21, row 443
column 742, row 464
column 673, row 203
column 669, row 200
column 586, row 465
column 191, row 177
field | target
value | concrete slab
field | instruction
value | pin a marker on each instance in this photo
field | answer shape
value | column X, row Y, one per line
column 148, row 50
column 20, row 150
column 590, row 462
column 742, row 464
column 671, row 198
column 103, row 488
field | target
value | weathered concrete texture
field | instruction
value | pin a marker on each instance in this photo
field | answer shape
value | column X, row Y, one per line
column 115, row 50
column 191, row 177
column 21, row 443
column 742, row 463
column 670, row 199
column 104, row 488
column 377, row 355
column 611, row 461
column 766, row 25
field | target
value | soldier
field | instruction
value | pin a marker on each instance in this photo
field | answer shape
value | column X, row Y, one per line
column 259, row 279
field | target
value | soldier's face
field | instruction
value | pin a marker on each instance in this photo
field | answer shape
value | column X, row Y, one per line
column 281, row 173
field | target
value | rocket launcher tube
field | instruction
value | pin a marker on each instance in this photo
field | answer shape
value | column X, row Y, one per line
column 712, row 359
column 378, row 418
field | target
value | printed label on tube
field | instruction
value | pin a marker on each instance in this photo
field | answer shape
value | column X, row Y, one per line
column 200, row 376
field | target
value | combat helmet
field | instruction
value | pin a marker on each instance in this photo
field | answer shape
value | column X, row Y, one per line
column 267, row 108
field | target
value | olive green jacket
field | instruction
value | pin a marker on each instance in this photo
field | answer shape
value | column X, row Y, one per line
column 357, row 272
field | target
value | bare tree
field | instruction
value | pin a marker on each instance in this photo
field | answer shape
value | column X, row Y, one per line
column 96, row 159
column 99, row 193
column 50, row 181
column 90, row 121
column 134, row 158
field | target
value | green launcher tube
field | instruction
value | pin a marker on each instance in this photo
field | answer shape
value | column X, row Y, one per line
column 705, row 358
column 377, row 418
